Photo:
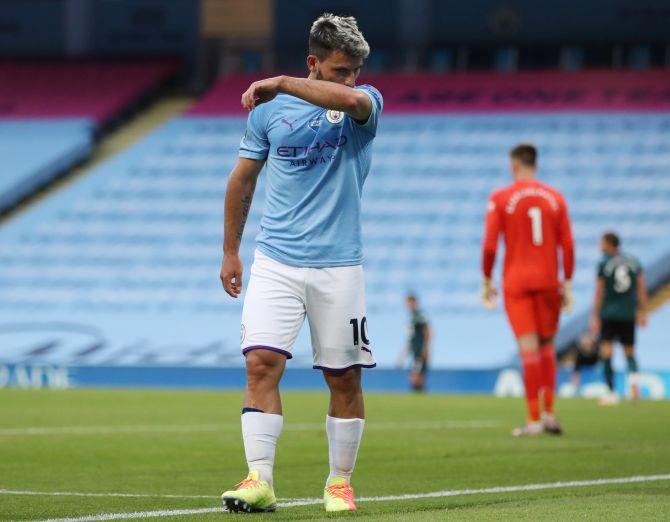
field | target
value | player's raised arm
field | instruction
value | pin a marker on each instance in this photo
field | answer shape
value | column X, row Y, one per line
column 489, row 248
column 326, row 94
column 239, row 195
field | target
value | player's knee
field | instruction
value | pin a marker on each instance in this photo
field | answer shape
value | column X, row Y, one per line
column 346, row 383
column 263, row 365
column 546, row 341
column 528, row 343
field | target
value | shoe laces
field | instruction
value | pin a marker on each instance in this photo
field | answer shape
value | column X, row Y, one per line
column 343, row 491
column 248, row 483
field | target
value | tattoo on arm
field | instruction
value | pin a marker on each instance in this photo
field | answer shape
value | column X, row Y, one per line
column 246, row 205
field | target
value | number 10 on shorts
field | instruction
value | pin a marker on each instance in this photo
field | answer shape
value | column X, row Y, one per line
column 360, row 331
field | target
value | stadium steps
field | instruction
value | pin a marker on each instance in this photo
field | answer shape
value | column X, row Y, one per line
column 118, row 140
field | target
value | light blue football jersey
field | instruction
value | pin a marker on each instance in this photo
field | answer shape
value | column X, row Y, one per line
column 317, row 161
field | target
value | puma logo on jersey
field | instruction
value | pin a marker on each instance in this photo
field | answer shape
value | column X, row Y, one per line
column 289, row 123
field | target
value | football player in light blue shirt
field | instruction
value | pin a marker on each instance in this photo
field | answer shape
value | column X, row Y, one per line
column 314, row 135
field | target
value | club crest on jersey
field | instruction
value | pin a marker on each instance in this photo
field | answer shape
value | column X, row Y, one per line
column 314, row 124
column 334, row 117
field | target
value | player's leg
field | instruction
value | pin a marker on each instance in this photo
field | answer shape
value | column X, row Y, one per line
column 519, row 308
column 530, row 361
column 416, row 374
column 271, row 318
column 628, row 341
column 608, row 335
column 341, row 346
column 344, row 423
column 547, row 310
column 606, row 350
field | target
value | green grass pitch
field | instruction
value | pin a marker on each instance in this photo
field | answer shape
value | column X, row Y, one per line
column 178, row 450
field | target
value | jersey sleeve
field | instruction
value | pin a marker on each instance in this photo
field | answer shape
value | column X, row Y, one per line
column 377, row 100
column 420, row 319
column 600, row 270
column 255, row 144
column 492, row 231
column 566, row 241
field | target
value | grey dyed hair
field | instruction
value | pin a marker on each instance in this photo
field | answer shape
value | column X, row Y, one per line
column 330, row 32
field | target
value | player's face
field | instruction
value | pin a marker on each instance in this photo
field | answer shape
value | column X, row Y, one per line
column 411, row 304
column 337, row 67
column 606, row 248
column 514, row 167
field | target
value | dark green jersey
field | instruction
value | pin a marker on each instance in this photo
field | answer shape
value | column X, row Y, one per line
column 417, row 331
column 620, row 275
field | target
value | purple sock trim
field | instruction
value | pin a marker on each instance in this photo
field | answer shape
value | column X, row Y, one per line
column 338, row 370
column 271, row 348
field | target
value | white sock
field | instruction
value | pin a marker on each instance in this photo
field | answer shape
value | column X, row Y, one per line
column 260, row 432
column 344, row 438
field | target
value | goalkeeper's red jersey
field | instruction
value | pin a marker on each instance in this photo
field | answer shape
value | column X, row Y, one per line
column 533, row 219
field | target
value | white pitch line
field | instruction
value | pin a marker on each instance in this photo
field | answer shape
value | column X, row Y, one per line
column 410, row 496
column 139, row 514
column 185, row 428
column 20, row 492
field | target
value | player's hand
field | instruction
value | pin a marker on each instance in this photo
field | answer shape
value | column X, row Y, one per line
column 231, row 275
column 567, row 302
column 642, row 319
column 489, row 293
column 261, row 91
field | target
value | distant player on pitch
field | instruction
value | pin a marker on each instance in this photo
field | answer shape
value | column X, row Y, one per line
column 620, row 300
column 533, row 219
column 418, row 345
column 314, row 136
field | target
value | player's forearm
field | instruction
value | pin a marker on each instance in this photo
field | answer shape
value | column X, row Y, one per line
column 328, row 95
column 239, row 195
column 568, row 260
column 488, row 261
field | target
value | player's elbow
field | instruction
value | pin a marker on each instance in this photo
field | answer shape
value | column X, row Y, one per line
column 357, row 104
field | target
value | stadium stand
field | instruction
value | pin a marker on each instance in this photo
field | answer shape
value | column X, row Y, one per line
column 50, row 113
column 122, row 267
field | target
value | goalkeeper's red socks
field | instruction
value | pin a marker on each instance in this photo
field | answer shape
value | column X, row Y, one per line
column 530, row 360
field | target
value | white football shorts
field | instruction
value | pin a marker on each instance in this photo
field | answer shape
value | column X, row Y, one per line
column 279, row 297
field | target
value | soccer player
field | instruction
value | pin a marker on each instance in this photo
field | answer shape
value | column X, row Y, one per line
column 418, row 345
column 620, row 299
column 533, row 218
column 314, row 136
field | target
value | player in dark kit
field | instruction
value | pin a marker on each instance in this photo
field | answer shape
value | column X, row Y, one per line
column 418, row 345
column 620, row 300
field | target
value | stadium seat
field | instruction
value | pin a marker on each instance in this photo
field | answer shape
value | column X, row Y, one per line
column 134, row 248
column 51, row 111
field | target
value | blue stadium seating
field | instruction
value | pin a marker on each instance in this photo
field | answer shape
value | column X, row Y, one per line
column 122, row 267
column 33, row 151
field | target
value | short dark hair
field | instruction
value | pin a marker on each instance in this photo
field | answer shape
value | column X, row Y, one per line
column 330, row 32
column 525, row 153
column 611, row 239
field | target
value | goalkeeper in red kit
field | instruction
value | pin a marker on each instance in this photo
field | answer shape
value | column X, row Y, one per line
column 533, row 219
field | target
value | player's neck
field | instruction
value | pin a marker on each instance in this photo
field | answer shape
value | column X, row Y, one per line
column 524, row 176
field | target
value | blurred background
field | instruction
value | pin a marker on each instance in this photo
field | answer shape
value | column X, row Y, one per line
column 120, row 121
